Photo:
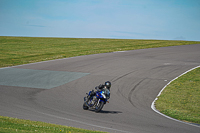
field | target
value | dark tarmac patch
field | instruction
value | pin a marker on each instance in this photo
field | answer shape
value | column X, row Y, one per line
column 43, row 79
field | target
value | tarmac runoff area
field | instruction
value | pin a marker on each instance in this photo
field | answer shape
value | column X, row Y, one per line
column 42, row 79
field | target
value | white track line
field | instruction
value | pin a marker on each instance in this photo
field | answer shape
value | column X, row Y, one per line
column 153, row 103
column 84, row 123
column 76, row 121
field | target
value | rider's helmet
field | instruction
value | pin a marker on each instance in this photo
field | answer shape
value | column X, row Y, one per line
column 108, row 84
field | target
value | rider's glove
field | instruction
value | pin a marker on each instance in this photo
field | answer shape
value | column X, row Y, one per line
column 100, row 86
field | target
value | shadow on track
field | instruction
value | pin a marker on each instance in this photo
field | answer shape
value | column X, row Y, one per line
column 106, row 112
column 110, row 112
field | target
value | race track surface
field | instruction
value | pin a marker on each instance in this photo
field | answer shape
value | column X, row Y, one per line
column 53, row 91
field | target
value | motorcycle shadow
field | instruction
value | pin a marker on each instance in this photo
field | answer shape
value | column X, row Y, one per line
column 106, row 112
column 110, row 112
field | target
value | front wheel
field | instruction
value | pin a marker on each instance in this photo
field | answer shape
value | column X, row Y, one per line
column 85, row 107
column 99, row 106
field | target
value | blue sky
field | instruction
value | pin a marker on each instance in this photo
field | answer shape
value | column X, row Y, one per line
column 121, row 19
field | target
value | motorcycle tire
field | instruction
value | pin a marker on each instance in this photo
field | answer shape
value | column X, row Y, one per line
column 85, row 107
column 99, row 107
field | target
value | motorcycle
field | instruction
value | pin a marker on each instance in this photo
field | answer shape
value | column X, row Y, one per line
column 97, row 100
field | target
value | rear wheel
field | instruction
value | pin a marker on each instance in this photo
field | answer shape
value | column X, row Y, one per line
column 99, row 106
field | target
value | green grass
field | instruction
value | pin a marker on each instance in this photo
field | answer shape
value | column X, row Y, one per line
column 181, row 98
column 13, row 125
column 24, row 50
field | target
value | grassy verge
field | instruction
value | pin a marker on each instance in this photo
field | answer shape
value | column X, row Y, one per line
column 181, row 98
column 24, row 50
column 12, row 125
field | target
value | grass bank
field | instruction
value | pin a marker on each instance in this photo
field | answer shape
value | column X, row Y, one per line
column 24, row 50
column 181, row 98
column 13, row 125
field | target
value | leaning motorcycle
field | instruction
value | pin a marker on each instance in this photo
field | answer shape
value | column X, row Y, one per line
column 96, row 101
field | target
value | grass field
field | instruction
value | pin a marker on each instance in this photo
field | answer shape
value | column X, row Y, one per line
column 13, row 125
column 181, row 98
column 24, row 50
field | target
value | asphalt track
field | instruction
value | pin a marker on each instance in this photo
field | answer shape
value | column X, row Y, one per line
column 137, row 77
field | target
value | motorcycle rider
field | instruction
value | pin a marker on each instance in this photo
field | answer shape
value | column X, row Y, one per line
column 99, row 88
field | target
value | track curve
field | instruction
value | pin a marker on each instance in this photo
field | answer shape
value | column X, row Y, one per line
column 137, row 77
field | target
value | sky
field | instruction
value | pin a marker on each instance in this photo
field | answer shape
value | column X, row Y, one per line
column 118, row 19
